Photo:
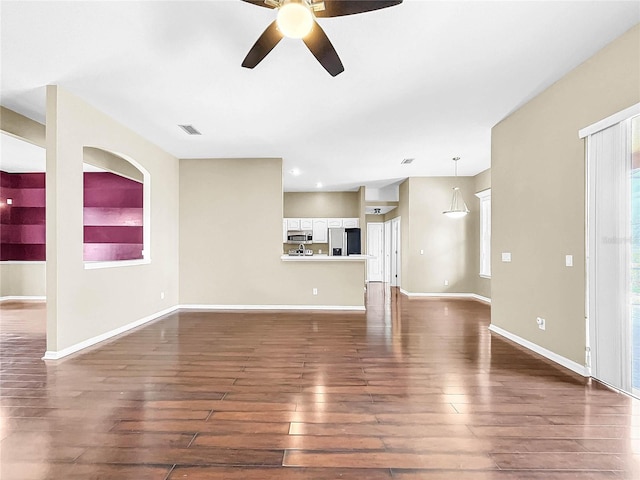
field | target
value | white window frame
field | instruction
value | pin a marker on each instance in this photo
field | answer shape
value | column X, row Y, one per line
column 485, row 232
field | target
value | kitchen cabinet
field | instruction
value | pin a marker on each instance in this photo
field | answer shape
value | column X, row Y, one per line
column 293, row 224
column 350, row 222
column 306, row 224
column 320, row 230
column 319, row 226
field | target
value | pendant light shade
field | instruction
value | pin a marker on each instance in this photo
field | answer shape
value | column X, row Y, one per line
column 458, row 208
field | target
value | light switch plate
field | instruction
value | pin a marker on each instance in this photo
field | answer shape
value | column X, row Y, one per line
column 506, row 256
column 568, row 260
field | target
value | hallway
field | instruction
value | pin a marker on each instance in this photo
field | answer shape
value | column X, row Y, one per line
column 413, row 389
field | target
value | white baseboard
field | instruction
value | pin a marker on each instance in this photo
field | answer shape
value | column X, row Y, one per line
column 23, row 298
column 473, row 296
column 56, row 355
column 356, row 308
column 554, row 357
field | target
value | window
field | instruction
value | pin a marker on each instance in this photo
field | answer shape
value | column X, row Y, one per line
column 485, row 232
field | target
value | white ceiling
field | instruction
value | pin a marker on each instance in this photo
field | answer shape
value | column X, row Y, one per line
column 19, row 156
column 424, row 80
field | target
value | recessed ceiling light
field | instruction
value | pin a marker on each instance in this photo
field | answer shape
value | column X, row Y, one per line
column 190, row 129
column 9, row 201
column 295, row 172
column 407, row 161
column 319, row 185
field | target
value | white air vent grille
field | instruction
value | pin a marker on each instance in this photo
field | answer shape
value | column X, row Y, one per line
column 406, row 161
column 190, row 129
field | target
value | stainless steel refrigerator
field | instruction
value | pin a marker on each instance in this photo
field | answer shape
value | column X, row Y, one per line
column 344, row 241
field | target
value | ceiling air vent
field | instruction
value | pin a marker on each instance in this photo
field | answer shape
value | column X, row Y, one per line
column 190, row 129
column 406, row 161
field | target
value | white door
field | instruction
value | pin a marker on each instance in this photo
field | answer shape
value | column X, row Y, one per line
column 387, row 251
column 375, row 243
column 395, row 252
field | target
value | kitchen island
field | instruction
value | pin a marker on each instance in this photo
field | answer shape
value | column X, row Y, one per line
column 325, row 258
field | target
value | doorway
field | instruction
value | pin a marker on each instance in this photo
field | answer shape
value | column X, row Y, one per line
column 392, row 252
column 375, row 248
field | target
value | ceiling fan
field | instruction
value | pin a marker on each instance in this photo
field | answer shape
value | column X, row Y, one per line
column 297, row 19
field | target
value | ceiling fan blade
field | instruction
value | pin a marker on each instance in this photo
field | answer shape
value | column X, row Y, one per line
column 259, row 3
column 321, row 47
column 339, row 8
column 269, row 39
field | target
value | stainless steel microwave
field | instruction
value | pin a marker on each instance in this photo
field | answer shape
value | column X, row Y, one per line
column 300, row 236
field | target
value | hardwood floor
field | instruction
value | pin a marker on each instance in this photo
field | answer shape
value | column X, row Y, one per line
column 414, row 389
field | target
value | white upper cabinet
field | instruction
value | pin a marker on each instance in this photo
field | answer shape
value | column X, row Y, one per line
column 293, row 224
column 350, row 222
column 320, row 232
column 319, row 226
column 306, row 224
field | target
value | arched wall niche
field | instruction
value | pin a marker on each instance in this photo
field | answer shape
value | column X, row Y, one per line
column 116, row 209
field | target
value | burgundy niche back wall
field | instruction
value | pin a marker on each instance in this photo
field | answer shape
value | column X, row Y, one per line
column 113, row 217
column 23, row 222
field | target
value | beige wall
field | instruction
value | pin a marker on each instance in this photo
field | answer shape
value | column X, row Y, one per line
column 402, row 212
column 450, row 245
column 223, row 199
column 22, row 127
column 363, row 218
column 321, row 204
column 111, row 163
column 538, row 198
column 483, row 180
column 82, row 304
column 22, row 279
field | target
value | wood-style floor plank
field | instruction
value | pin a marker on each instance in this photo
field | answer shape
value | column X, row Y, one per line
column 413, row 389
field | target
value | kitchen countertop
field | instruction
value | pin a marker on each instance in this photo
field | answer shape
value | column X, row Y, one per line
column 325, row 258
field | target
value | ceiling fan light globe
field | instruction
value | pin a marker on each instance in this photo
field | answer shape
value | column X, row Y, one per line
column 295, row 20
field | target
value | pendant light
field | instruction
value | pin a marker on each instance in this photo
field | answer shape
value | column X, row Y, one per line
column 458, row 208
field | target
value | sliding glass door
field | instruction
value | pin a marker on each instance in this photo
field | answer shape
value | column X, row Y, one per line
column 614, row 254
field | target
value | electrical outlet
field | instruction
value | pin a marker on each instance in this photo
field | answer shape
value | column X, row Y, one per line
column 542, row 323
column 161, row 295
column 506, row 256
column 315, row 291
column 421, row 252
column 446, row 283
